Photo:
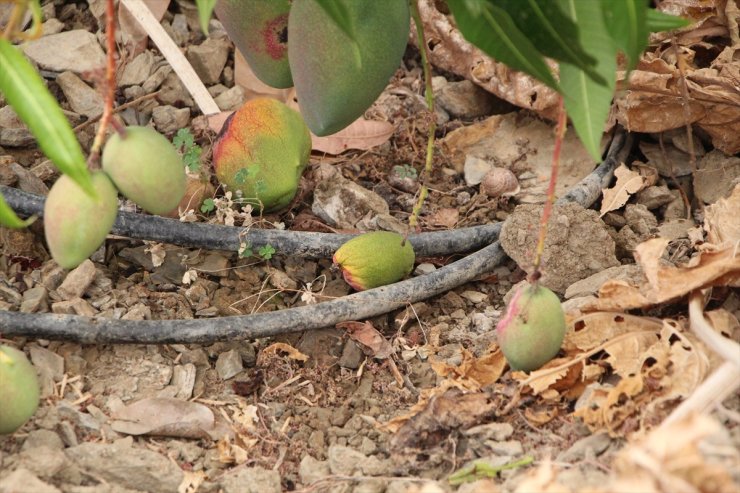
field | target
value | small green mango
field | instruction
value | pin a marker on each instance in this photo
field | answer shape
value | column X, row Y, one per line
column 146, row 168
column 532, row 329
column 259, row 29
column 262, row 151
column 375, row 259
column 336, row 80
column 19, row 389
column 76, row 224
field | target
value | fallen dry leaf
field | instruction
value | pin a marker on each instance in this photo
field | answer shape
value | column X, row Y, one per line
column 373, row 343
column 446, row 217
column 721, row 220
column 361, row 134
column 191, row 481
column 473, row 373
column 282, row 347
column 167, row 417
column 628, row 183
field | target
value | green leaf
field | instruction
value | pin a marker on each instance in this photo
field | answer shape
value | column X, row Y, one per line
column 627, row 25
column 205, row 9
column 586, row 101
column 27, row 94
column 551, row 32
column 659, row 21
column 340, row 15
column 492, row 29
column 183, row 139
column 8, row 217
column 208, row 205
column 267, row 251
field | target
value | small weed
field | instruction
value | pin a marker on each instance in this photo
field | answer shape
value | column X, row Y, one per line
column 185, row 144
column 405, row 171
column 208, row 206
column 266, row 252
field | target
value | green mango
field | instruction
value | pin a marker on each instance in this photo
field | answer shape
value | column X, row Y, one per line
column 259, row 29
column 335, row 79
column 375, row 259
column 19, row 389
column 146, row 168
column 532, row 329
column 261, row 152
column 76, row 224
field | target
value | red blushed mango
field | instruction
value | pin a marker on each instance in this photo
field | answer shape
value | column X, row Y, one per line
column 261, row 152
column 532, row 329
column 259, row 29
column 76, row 224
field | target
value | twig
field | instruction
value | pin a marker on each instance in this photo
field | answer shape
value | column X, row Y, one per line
column 173, row 55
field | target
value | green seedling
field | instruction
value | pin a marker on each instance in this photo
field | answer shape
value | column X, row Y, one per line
column 375, row 259
column 19, row 389
column 266, row 252
column 190, row 151
column 208, row 206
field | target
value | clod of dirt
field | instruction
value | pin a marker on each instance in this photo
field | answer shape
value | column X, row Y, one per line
column 375, row 259
column 19, row 388
column 577, row 244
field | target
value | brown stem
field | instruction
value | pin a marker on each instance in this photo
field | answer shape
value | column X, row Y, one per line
column 109, row 85
column 547, row 211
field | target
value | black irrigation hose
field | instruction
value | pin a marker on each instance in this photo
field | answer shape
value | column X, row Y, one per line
column 353, row 307
column 295, row 243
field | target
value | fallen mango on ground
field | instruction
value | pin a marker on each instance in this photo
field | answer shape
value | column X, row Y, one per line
column 375, row 259
column 19, row 389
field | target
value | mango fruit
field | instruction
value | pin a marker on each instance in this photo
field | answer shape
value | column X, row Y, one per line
column 259, row 29
column 19, row 389
column 335, row 79
column 76, row 224
column 146, row 168
column 532, row 329
column 375, row 259
column 262, row 151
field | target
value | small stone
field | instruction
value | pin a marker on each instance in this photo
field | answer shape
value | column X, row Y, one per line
column 138, row 71
column 24, row 480
column 169, row 119
column 209, row 59
column 77, row 281
column 475, row 169
column 29, row 182
column 631, row 273
column 508, row 448
column 13, row 132
column 229, row 364
column 34, row 300
column 474, row 296
column 215, row 264
column 77, row 51
column 47, row 362
column 172, row 90
column 593, row 445
column 491, row 431
column 311, row 470
column 42, row 438
column 157, row 79
column 424, row 268
column 482, row 324
column 352, row 356
column 316, row 440
column 183, row 378
column 139, row 311
column 231, row 99
column 640, row 219
column 344, row 460
column 82, row 98
column 180, row 29
column 75, row 306
column 654, row 197
column 252, row 480
column 673, row 229
column 465, row 100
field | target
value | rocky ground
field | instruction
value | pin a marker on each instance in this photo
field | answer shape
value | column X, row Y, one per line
column 423, row 391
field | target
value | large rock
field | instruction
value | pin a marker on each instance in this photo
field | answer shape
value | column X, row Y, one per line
column 82, row 98
column 77, row 51
column 578, row 243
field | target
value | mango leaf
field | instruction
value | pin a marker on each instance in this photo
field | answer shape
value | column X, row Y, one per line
column 27, row 94
column 586, row 101
column 491, row 28
column 659, row 21
column 554, row 34
column 205, row 9
column 626, row 23
column 8, row 217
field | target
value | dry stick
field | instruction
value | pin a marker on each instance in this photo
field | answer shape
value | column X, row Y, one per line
column 429, row 97
column 173, row 55
column 109, row 85
column 547, row 211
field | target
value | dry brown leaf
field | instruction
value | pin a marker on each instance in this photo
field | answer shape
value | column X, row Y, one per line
column 594, row 329
column 473, row 373
column 628, row 183
column 373, row 343
column 167, row 417
column 721, row 220
column 540, row 416
column 446, row 217
column 361, row 134
column 191, row 481
column 542, row 379
column 544, row 479
column 282, row 347
column 626, row 355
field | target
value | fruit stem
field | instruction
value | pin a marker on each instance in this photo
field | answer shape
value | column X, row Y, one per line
column 429, row 97
column 109, row 86
column 550, row 200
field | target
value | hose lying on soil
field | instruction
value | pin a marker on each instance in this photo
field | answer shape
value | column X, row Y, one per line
column 357, row 306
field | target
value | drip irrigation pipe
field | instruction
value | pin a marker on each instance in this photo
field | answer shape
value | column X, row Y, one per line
column 357, row 306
